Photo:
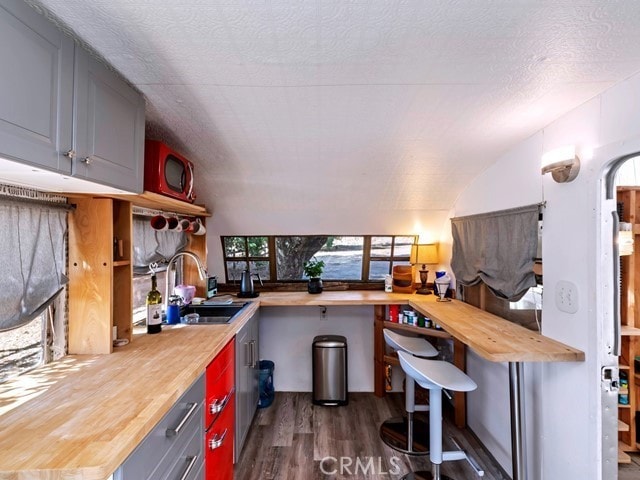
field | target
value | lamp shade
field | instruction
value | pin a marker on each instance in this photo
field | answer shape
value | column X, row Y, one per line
column 424, row 253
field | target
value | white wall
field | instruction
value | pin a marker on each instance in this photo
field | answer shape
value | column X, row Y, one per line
column 286, row 336
column 562, row 399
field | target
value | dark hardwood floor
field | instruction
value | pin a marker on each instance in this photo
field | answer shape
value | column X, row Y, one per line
column 295, row 440
column 630, row 471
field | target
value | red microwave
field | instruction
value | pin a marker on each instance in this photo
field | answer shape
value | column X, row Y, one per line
column 167, row 172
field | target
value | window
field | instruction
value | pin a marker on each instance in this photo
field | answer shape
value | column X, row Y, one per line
column 526, row 312
column 349, row 258
column 387, row 252
column 251, row 252
column 22, row 348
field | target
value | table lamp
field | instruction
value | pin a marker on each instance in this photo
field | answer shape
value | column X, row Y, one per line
column 424, row 254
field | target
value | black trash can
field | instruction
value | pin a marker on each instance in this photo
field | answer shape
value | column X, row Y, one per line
column 267, row 392
column 329, row 363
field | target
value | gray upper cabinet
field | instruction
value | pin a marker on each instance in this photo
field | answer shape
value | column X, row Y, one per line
column 108, row 119
column 36, row 88
column 61, row 109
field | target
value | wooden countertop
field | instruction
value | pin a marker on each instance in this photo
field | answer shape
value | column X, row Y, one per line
column 81, row 417
column 492, row 337
column 348, row 297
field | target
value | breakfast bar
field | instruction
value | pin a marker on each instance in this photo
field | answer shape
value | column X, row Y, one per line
column 492, row 337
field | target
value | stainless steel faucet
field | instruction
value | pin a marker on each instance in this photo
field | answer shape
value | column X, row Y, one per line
column 201, row 271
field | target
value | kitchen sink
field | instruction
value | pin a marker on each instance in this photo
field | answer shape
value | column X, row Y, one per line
column 212, row 314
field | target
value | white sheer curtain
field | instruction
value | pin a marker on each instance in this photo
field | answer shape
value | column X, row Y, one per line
column 152, row 246
column 32, row 255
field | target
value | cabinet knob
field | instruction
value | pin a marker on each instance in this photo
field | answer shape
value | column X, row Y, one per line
column 86, row 160
column 70, row 154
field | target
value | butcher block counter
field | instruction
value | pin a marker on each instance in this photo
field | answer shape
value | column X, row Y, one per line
column 79, row 418
column 492, row 337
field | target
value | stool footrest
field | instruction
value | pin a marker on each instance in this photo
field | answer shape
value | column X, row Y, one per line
column 463, row 455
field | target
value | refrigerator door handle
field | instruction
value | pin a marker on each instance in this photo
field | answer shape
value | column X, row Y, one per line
column 616, row 287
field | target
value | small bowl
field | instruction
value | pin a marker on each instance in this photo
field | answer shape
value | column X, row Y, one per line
column 187, row 292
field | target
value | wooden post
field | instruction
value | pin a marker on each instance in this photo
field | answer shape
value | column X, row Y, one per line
column 460, row 398
column 378, row 350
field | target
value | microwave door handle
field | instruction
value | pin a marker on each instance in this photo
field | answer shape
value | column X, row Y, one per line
column 190, row 166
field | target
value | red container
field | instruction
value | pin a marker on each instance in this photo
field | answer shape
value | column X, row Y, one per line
column 394, row 310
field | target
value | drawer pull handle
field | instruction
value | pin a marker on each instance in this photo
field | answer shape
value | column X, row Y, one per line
column 172, row 432
column 86, row 160
column 192, row 462
column 216, row 442
column 218, row 406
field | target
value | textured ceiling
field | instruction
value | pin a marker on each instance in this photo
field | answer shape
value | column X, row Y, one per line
column 325, row 104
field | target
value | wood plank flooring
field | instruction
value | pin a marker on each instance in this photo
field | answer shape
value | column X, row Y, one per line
column 295, row 440
column 630, row 471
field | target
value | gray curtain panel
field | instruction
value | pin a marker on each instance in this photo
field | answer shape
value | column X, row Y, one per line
column 497, row 248
column 32, row 254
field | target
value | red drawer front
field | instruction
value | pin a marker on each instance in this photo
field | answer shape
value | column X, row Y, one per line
column 218, row 460
column 220, row 379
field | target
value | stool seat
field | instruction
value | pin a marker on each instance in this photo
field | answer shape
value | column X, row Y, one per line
column 413, row 345
column 430, row 373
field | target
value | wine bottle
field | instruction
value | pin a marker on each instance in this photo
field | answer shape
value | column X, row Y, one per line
column 154, row 308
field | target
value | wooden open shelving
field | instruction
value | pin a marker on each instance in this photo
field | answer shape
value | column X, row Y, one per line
column 160, row 202
column 381, row 322
column 630, row 318
column 101, row 276
column 100, row 281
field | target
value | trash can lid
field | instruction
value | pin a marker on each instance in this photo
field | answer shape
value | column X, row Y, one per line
column 330, row 341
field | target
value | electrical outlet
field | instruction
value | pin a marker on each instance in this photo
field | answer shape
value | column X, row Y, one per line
column 323, row 312
column 566, row 296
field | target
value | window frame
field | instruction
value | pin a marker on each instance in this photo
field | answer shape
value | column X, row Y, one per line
column 271, row 258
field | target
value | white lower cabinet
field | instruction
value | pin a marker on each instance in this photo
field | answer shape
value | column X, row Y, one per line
column 173, row 449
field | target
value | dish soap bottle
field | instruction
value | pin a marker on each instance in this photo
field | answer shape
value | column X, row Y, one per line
column 154, row 308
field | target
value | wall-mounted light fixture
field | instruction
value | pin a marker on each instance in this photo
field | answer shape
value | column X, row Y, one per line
column 563, row 163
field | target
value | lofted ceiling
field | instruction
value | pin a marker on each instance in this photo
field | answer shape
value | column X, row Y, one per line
column 326, row 104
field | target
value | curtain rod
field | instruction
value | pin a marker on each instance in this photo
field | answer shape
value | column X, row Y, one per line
column 34, row 201
column 495, row 213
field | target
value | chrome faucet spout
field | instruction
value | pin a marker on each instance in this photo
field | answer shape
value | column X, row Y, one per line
column 202, row 271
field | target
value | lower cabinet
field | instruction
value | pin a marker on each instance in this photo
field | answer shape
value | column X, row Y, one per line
column 173, row 449
column 247, row 380
column 220, row 415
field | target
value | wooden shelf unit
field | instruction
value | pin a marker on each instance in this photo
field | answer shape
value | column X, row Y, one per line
column 101, row 281
column 100, row 286
column 160, row 202
column 459, row 360
column 630, row 318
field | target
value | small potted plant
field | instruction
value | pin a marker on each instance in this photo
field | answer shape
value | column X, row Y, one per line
column 313, row 269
